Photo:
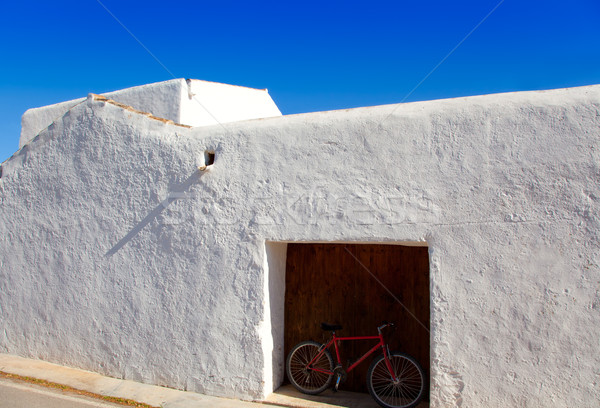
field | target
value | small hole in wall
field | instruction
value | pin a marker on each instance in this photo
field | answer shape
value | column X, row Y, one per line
column 209, row 158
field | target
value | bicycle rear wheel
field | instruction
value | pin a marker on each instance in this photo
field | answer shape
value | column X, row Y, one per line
column 409, row 387
column 301, row 375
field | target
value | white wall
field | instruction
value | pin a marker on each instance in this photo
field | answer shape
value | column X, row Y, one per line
column 117, row 256
column 162, row 99
column 273, row 324
column 211, row 103
column 35, row 120
column 190, row 102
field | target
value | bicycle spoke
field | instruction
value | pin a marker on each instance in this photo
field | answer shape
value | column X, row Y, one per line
column 301, row 368
column 405, row 391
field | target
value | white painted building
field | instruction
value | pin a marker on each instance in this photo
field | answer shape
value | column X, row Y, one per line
column 122, row 254
column 190, row 102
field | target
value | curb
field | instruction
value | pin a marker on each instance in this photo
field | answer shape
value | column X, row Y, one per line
column 87, row 381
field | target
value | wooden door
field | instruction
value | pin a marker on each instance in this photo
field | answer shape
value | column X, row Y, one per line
column 327, row 283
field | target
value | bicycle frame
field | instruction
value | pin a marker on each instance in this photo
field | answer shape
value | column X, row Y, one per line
column 335, row 340
column 393, row 379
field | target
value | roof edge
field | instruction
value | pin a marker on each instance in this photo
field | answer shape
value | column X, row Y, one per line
column 102, row 98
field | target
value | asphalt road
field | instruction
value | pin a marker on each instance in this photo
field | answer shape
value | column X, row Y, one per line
column 20, row 394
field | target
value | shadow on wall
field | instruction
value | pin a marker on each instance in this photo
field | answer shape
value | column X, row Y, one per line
column 177, row 192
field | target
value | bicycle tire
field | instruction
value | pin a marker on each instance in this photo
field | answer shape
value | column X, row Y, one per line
column 409, row 388
column 303, row 379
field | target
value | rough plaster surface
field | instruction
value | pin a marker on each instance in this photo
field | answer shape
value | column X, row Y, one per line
column 190, row 102
column 119, row 257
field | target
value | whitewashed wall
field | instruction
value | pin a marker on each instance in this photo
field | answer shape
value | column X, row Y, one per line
column 189, row 102
column 210, row 103
column 118, row 256
column 162, row 99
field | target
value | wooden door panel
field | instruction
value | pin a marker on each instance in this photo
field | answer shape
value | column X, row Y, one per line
column 325, row 283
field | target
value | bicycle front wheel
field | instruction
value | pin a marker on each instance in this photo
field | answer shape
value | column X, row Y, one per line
column 409, row 387
column 304, row 377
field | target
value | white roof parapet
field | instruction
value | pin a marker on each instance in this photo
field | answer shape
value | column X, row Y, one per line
column 211, row 103
column 189, row 102
column 129, row 108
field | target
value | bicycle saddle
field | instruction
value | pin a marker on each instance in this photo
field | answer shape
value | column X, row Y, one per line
column 331, row 327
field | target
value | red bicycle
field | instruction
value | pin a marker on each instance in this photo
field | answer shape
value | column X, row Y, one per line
column 394, row 380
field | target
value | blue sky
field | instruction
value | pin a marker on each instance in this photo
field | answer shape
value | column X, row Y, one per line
column 311, row 56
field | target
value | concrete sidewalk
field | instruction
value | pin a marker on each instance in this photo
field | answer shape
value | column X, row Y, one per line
column 98, row 384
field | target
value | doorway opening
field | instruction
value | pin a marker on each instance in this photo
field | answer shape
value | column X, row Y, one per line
column 355, row 285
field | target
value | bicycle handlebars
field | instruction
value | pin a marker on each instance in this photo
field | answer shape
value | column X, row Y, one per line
column 385, row 324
